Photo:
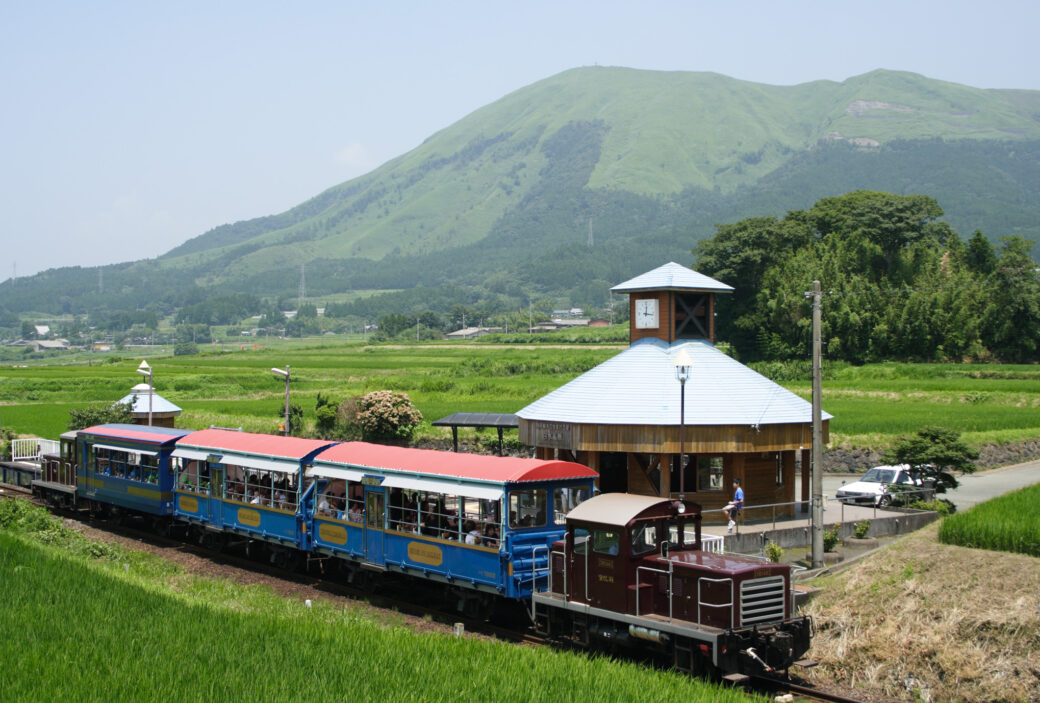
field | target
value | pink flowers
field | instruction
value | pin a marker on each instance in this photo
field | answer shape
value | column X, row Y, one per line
column 387, row 414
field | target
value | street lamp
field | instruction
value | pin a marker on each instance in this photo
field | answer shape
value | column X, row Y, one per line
column 145, row 370
column 683, row 363
column 285, row 375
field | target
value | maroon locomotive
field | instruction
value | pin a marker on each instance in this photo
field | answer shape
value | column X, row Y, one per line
column 631, row 571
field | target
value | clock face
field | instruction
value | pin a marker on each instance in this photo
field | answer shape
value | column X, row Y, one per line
column 646, row 314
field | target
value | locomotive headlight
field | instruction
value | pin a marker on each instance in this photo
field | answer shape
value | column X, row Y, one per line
column 679, row 506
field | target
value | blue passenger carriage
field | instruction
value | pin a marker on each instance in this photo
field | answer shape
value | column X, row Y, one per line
column 124, row 468
column 240, row 483
column 482, row 523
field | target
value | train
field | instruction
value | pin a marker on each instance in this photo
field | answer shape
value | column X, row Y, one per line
column 604, row 570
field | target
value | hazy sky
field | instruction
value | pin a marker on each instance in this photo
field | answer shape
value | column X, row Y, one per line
column 127, row 128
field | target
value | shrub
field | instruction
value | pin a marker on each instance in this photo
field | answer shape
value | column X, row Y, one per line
column 774, row 552
column 861, row 529
column 386, row 415
column 939, row 505
column 830, row 538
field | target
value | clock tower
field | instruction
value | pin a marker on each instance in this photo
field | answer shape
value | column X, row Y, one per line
column 672, row 303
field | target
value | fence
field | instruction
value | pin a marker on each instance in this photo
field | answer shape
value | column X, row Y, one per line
column 30, row 450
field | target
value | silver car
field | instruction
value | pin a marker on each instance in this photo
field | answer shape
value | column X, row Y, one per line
column 881, row 483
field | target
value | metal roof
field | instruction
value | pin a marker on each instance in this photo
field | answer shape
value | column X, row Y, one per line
column 140, row 400
column 613, row 508
column 478, row 420
column 639, row 387
column 460, row 467
column 264, row 445
column 672, row 276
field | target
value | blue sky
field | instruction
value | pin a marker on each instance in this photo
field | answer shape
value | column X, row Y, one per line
column 127, row 128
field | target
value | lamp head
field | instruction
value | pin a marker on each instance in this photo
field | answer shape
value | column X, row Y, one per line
column 682, row 363
column 280, row 372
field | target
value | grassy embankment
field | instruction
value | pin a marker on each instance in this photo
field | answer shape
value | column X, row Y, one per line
column 872, row 404
column 83, row 621
column 925, row 621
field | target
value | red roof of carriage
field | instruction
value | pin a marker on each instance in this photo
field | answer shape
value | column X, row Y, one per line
column 252, row 443
column 135, row 433
column 429, row 462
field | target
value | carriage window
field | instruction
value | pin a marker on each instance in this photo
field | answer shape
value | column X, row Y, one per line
column 644, row 538
column 269, row 489
column 606, row 542
column 527, row 508
column 581, row 541
column 709, row 473
column 566, row 499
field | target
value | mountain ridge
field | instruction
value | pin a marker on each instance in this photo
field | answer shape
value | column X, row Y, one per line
column 628, row 159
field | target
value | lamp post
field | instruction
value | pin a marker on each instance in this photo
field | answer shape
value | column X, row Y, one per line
column 285, row 375
column 682, row 364
column 145, row 370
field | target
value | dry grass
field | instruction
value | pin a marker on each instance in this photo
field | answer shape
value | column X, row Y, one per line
column 926, row 621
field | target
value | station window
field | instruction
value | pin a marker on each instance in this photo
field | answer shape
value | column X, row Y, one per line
column 644, row 537
column 527, row 508
column 779, row 469
column 565, row 499
column 709, row 473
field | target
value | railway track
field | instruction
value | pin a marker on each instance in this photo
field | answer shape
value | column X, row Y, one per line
column 389, row 595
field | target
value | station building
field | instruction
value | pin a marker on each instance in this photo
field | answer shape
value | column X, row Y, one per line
column 625, row 419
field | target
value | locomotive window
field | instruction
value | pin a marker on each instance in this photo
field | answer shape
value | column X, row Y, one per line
column 644, row 538
column 581, row 541
column 566, row 499
column 606, row 542
column 527, row 508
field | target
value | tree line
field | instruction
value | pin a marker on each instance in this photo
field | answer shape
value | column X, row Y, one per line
column 899, row 284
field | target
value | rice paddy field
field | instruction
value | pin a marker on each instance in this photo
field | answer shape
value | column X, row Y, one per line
column 232, row 386
column 1010, row 523
column 84, row 621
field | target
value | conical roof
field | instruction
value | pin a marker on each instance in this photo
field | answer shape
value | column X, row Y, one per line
column 639, row 387
column 672, row 276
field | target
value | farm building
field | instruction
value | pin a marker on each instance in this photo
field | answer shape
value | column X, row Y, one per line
column 623, row 417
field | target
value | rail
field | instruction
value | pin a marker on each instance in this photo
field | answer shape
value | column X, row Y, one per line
column 30, row 450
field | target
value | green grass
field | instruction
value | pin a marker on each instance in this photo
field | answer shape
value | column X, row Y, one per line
column 1010, row 523
column 129, row 627
column 872, row 404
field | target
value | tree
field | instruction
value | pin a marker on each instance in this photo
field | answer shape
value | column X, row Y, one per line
column 1011, row 319
column 934, row 453
column 325, row 413
column 101, row 414
column 979, row 256
column 386, row 415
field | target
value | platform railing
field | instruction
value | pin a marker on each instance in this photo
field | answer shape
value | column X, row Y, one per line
column 30, row 450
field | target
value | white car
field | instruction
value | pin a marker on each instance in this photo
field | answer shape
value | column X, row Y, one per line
column 875, row 487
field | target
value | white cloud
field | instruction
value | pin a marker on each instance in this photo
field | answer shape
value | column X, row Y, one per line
column 355, row 157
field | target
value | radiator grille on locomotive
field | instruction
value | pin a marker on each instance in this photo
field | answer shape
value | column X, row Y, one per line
column 762, row 600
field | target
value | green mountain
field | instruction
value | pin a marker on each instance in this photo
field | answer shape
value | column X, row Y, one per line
column 593, row 175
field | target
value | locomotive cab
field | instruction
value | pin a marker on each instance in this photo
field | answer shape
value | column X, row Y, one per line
column 631, row 572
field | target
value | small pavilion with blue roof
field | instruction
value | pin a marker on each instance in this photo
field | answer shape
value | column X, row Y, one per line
column 622, row 418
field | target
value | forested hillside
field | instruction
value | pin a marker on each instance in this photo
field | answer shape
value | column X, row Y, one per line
column 565, row 187
column 898, row 283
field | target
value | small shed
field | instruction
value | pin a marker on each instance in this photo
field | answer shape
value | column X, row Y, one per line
column 164, row 413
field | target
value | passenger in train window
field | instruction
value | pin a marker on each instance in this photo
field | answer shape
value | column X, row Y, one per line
column 491, row 536
column 472, row 533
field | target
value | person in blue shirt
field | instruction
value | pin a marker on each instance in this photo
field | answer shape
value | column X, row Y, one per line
column 738, row 503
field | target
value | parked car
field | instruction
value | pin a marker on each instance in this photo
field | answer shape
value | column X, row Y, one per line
column 880, row 484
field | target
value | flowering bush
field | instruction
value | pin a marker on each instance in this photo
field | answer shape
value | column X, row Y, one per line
column 386, row 415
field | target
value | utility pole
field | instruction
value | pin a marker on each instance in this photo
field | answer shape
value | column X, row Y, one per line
column 817, row 431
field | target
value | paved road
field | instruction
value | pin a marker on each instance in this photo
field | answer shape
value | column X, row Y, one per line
column 974, row 488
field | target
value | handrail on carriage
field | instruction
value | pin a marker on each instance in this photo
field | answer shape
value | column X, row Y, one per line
column 31, row 449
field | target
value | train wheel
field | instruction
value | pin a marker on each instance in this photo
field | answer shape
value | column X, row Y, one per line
column 161, row 526
column 288, row 559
